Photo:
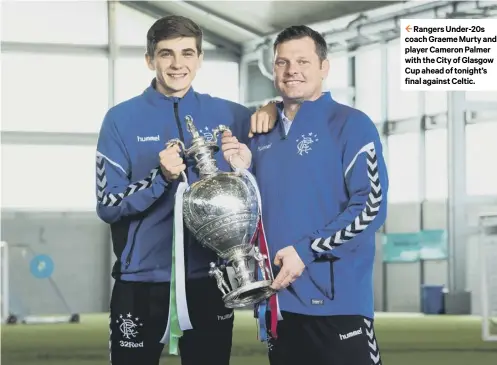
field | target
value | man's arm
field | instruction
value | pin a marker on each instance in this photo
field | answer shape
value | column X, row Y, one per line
column 117, row 196
column 366, row 179
column 241, row 122
column 264, row 119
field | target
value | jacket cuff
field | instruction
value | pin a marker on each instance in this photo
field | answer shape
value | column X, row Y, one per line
column 251, row 167
column 305, row 252
column 162, row 179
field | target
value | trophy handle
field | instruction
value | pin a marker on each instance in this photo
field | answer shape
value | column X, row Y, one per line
column 183, row 175
column 178, row 142
column 219, row 130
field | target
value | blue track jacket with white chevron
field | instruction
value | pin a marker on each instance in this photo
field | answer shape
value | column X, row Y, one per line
column 133, row 195
column 324, row 191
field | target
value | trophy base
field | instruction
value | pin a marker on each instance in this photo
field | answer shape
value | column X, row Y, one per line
column 249, row 294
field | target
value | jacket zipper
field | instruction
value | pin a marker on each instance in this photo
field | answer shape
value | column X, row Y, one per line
column 178, row 124
column 283, row 134
column 130, row 253
column 182, row 138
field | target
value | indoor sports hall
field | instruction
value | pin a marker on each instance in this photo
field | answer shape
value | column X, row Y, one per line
column 65, row 63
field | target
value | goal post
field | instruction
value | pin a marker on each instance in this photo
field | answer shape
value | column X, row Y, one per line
column 29, row 294
column 488, row 274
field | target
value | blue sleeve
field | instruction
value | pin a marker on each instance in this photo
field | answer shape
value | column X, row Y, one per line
column 366, row 180
column 252, row 147
column 241, row 122
column 117, row 196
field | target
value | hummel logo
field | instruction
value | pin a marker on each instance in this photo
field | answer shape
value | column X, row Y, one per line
column 317, row 301
column 148, row 139
column 351, row 334
column 266, row 147
column 226, row 316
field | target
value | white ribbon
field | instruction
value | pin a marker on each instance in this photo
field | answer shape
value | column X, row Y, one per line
column 165, row 338
column 179, row 264
column 181, row 303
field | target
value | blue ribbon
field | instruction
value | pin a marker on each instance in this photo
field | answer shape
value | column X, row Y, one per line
column 261, row 315
column 262, row 321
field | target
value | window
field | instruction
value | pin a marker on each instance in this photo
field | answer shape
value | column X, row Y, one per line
column 436, row 174
column 435, row 102
column 342, row 97
column 482, row 96
column 54, row 93
column 369, row 83
column 403, row 167
column 338, row 76
column 481, row 149
column 71, row 22
column 132, row 27
column 258, row 87
column 132, row 77
column 401, row 104
column 63, row 178
column 218, row 78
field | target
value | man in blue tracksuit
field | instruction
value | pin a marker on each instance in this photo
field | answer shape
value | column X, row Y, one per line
column 135, row 187
column 323, row 184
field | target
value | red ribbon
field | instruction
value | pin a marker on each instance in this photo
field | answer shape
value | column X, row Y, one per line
column 273, row 304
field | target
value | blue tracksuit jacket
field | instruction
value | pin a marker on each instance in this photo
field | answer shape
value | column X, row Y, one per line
column 324, row 191
column 132, row 194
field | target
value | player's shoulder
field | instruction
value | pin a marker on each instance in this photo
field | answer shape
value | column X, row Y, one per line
column 352, row 114
column 354, row 118
column 124, row 116
column 122, row 110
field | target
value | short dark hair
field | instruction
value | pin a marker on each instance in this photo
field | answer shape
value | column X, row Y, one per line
column 302, row 31
column 173, row 26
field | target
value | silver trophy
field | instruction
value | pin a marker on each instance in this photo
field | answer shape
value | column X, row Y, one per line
column 221, row 210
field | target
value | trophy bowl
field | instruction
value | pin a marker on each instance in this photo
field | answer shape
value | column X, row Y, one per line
column 222, row 212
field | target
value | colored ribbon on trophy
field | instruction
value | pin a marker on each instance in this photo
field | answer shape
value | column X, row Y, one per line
column 273, row 301
column 178, row 317
column 260, row 308
column 264, row 249
column 261, row 320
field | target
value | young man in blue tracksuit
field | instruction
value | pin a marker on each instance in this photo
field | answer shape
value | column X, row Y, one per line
column 323, row 184
column 135, row 187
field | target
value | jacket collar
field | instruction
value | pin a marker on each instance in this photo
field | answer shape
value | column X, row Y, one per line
column 156, row 97
column 325, row 101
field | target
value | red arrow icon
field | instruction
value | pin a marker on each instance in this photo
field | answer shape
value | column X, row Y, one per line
column 408, row 28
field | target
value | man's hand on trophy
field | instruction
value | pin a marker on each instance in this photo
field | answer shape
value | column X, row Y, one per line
column 235, row 153
column 171, row 162
column 264, row 119
column 292, row 267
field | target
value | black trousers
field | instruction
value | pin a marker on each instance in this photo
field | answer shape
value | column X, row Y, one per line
column 320, row 340
column 138, row 320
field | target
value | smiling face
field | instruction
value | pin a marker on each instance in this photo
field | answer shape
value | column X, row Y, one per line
column 175, row 62
column 298, row 70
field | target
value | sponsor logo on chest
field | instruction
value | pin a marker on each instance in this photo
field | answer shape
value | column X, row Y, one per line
column 148, row 138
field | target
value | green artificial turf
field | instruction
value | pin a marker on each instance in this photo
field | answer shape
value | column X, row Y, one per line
column 404, row 340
